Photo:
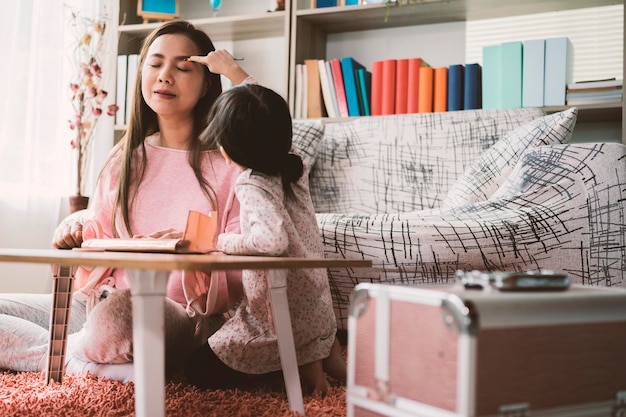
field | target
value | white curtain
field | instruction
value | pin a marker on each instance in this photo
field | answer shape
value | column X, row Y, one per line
column 36, row 169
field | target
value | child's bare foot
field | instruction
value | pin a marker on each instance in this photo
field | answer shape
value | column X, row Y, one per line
column 334, row 365
column 314, row 377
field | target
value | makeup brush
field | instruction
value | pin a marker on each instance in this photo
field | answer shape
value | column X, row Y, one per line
column 202, row 61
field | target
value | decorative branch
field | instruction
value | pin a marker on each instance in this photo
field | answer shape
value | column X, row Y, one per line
column 87, row 96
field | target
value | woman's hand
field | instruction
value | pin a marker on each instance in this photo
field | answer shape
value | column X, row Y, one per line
column 162, row 234
column 222, row 62
column 68, row 235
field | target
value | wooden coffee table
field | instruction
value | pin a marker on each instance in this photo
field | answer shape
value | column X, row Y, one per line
column 147, row 276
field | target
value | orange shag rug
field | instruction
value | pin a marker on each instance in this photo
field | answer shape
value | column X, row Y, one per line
column 27, row 395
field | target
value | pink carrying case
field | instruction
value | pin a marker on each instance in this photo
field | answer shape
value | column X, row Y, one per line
column 450, row 351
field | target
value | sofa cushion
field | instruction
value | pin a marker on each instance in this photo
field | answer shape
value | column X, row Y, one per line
column 397, row 163
column 483, row 177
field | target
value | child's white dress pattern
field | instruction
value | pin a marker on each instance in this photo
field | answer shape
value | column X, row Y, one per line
column 272, row 224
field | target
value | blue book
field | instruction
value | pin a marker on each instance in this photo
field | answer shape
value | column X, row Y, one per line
column 455, row 87
column 492, row 77
column 532, row 73
column 352, row 2
column 472, row 97
column 325, row 3
column 348, row 67
column 558, row 70
column 364, row 78
column 511, row 78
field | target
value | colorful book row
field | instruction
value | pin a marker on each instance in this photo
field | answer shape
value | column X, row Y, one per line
column 533, row 73
column 346, row 88
column 332, row 3
column 335, row 88
column 411, row 85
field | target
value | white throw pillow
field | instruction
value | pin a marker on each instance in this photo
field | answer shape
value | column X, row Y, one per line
column 481, row 179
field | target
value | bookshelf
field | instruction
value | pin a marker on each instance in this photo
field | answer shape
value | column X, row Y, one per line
column 310, row 29
column 228, row 28
column 303, row 32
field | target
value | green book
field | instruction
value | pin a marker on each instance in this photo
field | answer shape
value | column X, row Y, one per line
column 511, row 79
column 364, row 85
column 492, row 77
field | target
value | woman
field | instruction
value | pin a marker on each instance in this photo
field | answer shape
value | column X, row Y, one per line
column 157, row 173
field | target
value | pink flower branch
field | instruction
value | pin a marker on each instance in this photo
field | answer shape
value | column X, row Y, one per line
column 87, row 96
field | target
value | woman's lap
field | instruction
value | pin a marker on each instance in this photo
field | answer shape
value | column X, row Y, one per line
column 25, row 320
column 24, row 324
column 36, row 308
column 108, row 337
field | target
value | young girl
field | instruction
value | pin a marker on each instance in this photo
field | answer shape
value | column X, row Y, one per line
column 252, row 126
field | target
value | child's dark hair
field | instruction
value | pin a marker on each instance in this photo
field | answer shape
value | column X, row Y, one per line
column 253, row 125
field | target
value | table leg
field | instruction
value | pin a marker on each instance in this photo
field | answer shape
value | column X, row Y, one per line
column 277, row 280
column 148, row 297
column 63, row 280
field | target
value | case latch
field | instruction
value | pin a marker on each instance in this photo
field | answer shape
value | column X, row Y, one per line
column 381, row 392
column 514, row 410
column 620, row 405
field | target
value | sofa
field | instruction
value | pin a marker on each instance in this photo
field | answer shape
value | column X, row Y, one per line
column 425, row 195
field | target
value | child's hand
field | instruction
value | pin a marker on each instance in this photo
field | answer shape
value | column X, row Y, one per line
column 219, row 245
column 222, row 62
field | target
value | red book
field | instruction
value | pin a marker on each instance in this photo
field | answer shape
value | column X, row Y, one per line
column 440, row 90
column 389, row 86
column 426, row 90
column 413, row 83
column 335, row 66
column 402, row 84
column 377, row 88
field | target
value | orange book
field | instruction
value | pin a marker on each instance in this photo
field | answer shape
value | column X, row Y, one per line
column 389, row 87
column 377, row 88
column 426, row 90
column 313, row 88
column 402, row 83
column 413, row 83
column 440, row 89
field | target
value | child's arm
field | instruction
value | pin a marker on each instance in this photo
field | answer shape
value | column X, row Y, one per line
column 263, row 232
column 222, row 62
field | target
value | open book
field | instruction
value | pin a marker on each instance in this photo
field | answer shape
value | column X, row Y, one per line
column 199, row 237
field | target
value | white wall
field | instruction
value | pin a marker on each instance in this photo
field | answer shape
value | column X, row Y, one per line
column 263, row 59
column 423, row 41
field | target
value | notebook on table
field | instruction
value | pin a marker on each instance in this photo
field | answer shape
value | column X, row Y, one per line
column 199, row 237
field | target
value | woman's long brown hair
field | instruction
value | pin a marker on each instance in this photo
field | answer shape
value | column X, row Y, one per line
column 143, row 123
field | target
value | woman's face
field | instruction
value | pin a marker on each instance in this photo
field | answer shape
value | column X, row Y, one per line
column 170, row 85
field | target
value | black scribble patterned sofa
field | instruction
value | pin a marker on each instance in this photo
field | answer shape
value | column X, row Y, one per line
column 424, row 195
